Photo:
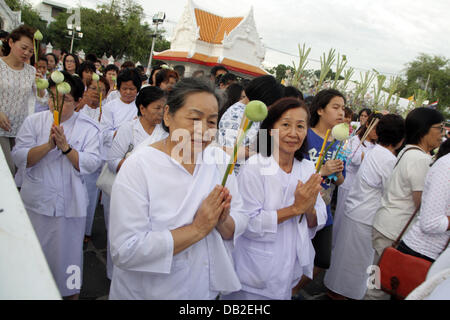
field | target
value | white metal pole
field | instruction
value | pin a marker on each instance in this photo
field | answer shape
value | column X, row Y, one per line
column 151, row 50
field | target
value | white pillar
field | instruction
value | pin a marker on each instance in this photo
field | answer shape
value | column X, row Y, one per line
column 49, row 48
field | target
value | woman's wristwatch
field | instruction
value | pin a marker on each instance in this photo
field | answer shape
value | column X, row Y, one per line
column 67, row 151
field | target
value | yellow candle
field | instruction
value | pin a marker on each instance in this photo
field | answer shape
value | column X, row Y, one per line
column 56, row 117
column 321, row 151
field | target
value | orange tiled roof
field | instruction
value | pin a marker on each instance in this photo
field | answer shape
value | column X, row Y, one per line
column 203, row 59
column 213, row 28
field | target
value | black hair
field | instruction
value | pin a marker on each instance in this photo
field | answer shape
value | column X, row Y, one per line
column 227, row 78
column 348, row 112
column 154, row 69
column 364, row 128
column 165, row 75
column 217, row 68
column 148, row 95
column 419, row 121
column 15, row 35
column 75, row 57
column 264, row 88
column 366, row 110
column 232, row 95
column 293, row 92
column 320, row 101
column 129, row 74
column 128, row 64
column 54, row 57
column 64, row 51
column 185, row 87
column 43, row 58
column 444, row 149
column 3, row 34
column 180, row 70
column 112, row 67
column 390, row 130
column 76, row 85
column 275, row 111
column 86, row 66
column 92, row 57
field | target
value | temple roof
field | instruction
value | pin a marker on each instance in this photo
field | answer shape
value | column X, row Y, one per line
column 202, row 59
column 214, row 27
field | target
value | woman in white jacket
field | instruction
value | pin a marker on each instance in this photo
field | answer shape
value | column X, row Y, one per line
column 54, row 159
column 279, row 189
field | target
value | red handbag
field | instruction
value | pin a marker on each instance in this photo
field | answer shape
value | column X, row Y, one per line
column 401, row 273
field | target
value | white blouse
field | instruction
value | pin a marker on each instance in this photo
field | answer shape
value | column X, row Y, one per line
column 113, row 115
column 430, row 233
column 352, row 167
column 53, row 187
column 128, row 137
column 17, row 95
column 270, row 258
column 364, row 197
column 93, row 113
column 152, row 195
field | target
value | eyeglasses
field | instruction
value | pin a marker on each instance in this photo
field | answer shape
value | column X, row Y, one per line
column 441, row 127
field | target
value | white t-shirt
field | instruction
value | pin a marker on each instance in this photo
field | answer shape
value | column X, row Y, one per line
column 397, row 204
column 365, row 193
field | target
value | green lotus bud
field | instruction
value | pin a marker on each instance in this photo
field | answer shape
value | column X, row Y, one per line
column 95, row 77
column 256, row 110
column 341, row 131
column 57, row 77
column 165, row 66
column 41, row 84
column 38, row 35
column 63, row 88
column 1, row 43
column 114, row 78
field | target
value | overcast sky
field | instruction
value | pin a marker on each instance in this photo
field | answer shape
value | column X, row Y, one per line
column 382, row 34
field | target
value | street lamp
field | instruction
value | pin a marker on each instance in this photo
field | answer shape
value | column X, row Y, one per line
column 157, row 19
column 74, row 33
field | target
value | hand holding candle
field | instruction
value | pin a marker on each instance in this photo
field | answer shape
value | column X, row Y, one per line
column 255, row 111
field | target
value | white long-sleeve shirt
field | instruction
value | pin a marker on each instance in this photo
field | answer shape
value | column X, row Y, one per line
column 352, row 167
column 152, row 195
column 270, row 258
column 53, row 187
column 429, row 234
column 128, row 137
column 114, row 114
column 364, row 198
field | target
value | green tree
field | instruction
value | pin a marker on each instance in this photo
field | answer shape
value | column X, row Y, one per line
column 434, row 68
column 116, row 29
column 29, row 15
column 280, row 71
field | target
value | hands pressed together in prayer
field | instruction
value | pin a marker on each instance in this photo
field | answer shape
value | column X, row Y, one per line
column 214, row 212
column 57, row 138
column 306, row 197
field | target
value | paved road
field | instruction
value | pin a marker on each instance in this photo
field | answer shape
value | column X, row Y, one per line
column 96, row 284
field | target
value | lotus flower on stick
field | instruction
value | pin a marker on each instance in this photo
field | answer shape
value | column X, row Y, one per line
column 255, row 111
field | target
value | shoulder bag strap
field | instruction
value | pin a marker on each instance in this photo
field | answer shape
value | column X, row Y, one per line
column 397, row 241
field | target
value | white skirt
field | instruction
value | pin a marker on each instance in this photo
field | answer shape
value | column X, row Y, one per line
column 339, row 212
column 61, row 241
column 350, row 258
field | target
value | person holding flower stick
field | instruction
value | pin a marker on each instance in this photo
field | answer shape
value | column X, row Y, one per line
column 327, row 110
column 54, row 158
column 95, row 89
column 357, row 147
